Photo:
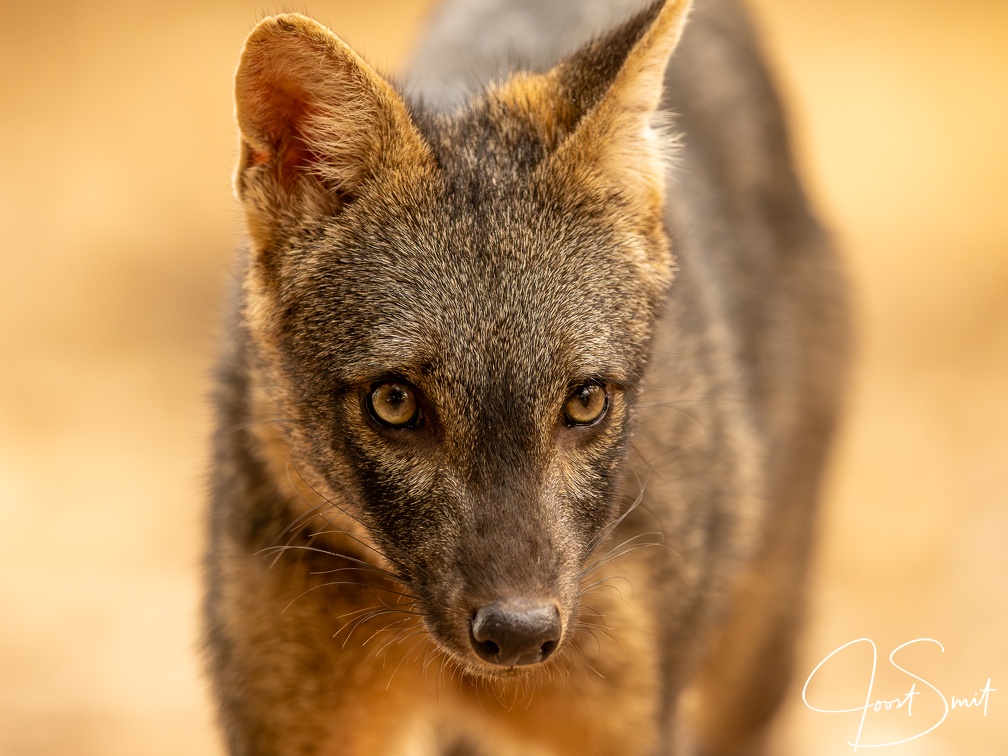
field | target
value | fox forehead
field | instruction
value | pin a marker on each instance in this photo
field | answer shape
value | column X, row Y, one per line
column 503, row 287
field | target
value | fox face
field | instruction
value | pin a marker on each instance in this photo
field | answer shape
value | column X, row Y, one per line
column 453, row 312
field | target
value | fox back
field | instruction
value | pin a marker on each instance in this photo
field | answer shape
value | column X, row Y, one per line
column 525, row 400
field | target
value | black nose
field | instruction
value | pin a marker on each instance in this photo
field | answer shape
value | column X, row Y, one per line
column 514, row 634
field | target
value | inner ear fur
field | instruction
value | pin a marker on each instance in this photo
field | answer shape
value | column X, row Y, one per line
column 316, row 120
column 616, row 83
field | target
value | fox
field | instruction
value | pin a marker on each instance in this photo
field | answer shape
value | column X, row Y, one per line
column 527, row 391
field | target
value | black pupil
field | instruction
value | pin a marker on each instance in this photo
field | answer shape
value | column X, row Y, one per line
column 396, row 397
column 585, row 395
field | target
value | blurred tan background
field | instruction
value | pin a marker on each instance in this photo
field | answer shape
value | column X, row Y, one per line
column 117, row 228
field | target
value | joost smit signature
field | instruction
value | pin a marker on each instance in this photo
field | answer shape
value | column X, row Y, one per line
column 979, row 700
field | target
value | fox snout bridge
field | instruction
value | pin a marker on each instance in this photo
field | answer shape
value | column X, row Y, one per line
column 515, row 634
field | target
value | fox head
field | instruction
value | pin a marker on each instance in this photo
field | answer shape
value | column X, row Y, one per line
column 454, row 311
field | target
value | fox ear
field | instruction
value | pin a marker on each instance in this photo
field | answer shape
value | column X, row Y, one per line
column 616, row 81
column 316, row 123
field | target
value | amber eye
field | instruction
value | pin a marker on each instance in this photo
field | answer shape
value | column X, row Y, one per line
column 586, row 405
column 395, row 405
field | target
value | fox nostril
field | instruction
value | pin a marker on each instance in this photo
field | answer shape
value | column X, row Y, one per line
column 515, row 633
column 488, row 648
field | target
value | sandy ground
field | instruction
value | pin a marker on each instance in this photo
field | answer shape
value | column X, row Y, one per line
column 117, row 227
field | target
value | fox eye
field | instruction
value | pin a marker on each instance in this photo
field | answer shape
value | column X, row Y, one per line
column 586, row 405
column 394, row 404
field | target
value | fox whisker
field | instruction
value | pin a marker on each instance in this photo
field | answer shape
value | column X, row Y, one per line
column 617, row 552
